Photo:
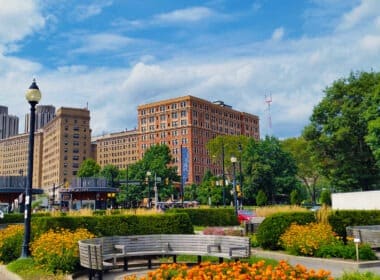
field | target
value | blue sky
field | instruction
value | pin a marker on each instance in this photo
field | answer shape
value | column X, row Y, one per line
column 113, row 55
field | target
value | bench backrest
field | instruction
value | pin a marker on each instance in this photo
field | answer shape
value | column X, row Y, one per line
column 90, row 255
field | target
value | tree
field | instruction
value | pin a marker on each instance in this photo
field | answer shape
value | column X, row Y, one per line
column 338, row 133
column 88, row 168
column 372, row 115
column 269, row 168
column 307, row 169
column 157, row 160
column 261, row 198
column 110, row 172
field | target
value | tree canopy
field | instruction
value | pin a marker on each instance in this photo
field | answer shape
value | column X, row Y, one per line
column 344, row 132
column 89, row 168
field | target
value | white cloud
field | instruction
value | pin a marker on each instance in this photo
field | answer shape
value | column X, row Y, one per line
column 278, row 34
column 83, row 12
column 365, row 11
column 94, row 43
column 370, row 43
column 193, row 14
column 18, row 19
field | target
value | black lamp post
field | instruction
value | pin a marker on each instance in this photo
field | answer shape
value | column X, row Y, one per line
column 33, row 95
column 234, row 160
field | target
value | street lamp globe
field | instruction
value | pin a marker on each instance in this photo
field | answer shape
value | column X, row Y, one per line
column 148, row 173
column 33, row 94
column 234, row 159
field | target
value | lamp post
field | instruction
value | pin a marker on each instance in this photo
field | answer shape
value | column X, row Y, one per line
column 148, row 174
column 234, row 160
column 241, row 175
column 223, row 177
column 33, row 96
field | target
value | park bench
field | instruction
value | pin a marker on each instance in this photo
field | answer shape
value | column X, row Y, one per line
column 114, row 248
column 366, row 234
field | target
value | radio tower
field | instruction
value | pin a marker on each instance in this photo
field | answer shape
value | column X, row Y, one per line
column 268, row 101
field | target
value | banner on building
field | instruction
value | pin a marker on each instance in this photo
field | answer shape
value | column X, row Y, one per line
column 184, row 165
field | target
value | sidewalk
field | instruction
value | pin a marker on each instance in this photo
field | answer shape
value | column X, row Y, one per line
column 336, row 267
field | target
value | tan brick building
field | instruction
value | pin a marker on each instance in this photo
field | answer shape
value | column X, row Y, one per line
column 59, row 149
column 119, row 149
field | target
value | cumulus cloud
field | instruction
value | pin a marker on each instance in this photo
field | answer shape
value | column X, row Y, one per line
column 192, row 14
column 365, row 11
column 18, row 19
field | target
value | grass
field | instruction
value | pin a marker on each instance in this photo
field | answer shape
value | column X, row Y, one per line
column 359, row 276
column 270, row 210
column 27, row 269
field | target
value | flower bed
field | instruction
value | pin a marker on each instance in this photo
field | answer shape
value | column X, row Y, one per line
column 232, row 271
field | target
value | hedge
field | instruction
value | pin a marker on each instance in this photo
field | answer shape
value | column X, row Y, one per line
column 118, row 224
column 340, row 219
column 270, row 230
column 209, row 217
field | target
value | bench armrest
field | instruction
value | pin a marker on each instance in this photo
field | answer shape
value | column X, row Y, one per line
column 245, row 248
column 120, row 247
column 210, row 246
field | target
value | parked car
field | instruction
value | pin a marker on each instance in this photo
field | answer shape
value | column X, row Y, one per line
column 245, row 215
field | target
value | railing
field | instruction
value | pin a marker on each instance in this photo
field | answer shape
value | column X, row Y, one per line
column 15, row 182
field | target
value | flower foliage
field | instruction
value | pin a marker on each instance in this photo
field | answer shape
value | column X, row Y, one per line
column 232, row 271
column 307, row 239
column 58, row 250
column 10, row 242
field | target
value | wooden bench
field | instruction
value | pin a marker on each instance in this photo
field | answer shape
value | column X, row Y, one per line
column 92, row 256
column 366, row 234
column 150, row 246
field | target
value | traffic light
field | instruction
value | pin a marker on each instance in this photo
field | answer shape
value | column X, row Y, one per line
column 238, row 190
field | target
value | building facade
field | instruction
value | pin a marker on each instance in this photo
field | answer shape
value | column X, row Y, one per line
column 185, row 121
column 59, row 149
column 191, row 122
column 119, row 149
column 8, row 124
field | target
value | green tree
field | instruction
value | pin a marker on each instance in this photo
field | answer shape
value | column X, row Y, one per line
column 269, row 168
column 88, row 168
column 338, row 133
column 372, row 115
column 261, row 198
column 111, row 173
column 307, row 168
column 295, row 197
column 157, row 160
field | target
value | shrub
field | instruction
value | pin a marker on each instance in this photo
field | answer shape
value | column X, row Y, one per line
column 58, row 250
column 11, row 239
column 270, row 230
column 340, row 219
column 209, row 217
column 307, row 239
column 340, row 250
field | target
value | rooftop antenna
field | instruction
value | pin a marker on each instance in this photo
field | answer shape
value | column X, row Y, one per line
column 268, row 101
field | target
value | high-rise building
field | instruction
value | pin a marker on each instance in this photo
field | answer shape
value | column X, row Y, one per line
column 59, row 149
column 179, row 122
column 44, row 114
column 8, row 123
column 191, row 122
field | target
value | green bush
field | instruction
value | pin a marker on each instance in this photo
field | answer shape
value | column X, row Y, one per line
column 359, row 276
column 270, row 230
column 340, row 250
column 117, row 224
column 340, row 219
column 209, row 217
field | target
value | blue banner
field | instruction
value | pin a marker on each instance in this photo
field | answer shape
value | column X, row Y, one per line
column 184, row 165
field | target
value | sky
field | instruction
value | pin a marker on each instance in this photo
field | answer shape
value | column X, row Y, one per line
column 271, row 58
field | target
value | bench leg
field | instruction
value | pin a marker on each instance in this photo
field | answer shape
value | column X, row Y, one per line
column 174, row 258
column 220, row 260
column 149, row 263
column 199, row 259
column 125, row 264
